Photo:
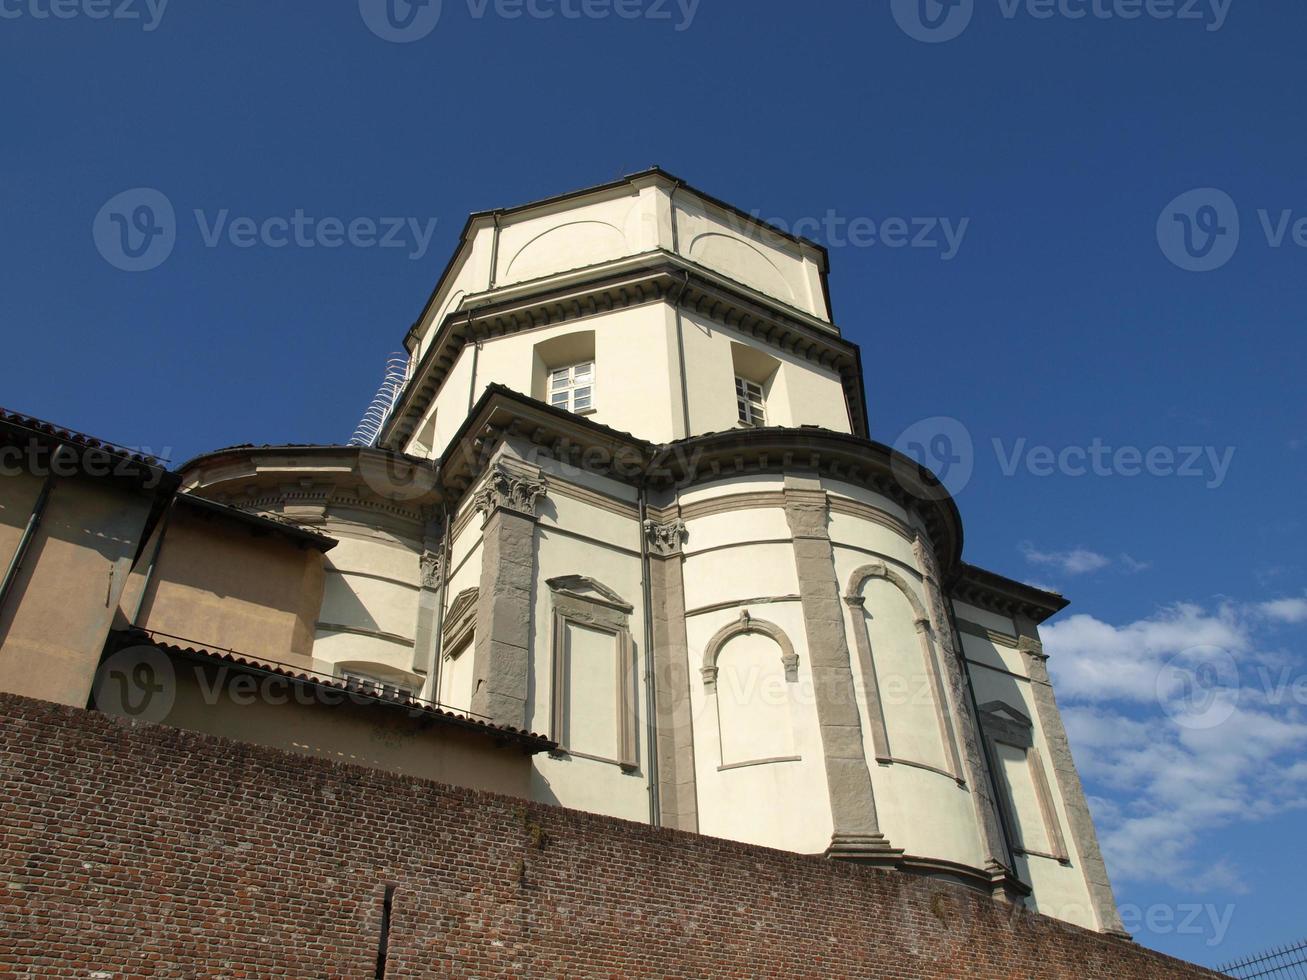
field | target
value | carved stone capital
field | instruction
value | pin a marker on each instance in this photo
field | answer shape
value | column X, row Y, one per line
column 431, row 565
column 665, row 539
column 506, row 489
column 709, row 678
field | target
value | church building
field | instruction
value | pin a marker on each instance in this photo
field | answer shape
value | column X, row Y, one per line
column 619, row 541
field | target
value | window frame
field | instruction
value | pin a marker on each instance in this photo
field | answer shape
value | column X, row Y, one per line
column 580, row 601
column 1002, row 724
column 750, row 411
column 572, row 387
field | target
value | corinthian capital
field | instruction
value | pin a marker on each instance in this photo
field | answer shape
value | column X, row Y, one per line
column 507, row 489
column 665, row 539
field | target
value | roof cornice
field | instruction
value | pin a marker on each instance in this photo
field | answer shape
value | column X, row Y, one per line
column 502, row 413
column 651, row 277
column 1007, row 597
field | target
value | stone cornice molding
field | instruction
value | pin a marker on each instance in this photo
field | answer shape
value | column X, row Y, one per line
column 627, row 282
column 574, row 441
column 995, row 593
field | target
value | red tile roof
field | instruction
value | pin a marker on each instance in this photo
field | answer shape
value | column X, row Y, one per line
column 530, row 741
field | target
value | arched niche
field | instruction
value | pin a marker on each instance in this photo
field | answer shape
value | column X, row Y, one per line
column 743, row 626
column 907, row 706
column 749, row 669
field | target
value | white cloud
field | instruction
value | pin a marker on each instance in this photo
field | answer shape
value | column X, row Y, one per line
column 1284, row 610
column 1096, row 661
column 1158, row 787
column 1133, row 565
column 1077, row 561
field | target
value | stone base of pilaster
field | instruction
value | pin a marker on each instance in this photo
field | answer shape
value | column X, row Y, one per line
column 1004, row 885
column 871, row 849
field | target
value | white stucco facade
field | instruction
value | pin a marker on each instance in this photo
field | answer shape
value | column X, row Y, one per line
column 752, row 626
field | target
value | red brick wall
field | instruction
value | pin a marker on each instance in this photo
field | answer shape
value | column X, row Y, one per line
column 148, row 851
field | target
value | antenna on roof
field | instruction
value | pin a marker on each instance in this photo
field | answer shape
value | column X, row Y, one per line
column 374, row 419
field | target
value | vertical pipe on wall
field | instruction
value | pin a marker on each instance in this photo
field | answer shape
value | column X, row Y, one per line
column 135, row 616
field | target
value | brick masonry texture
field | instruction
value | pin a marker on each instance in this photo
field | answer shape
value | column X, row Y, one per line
column 145, row 851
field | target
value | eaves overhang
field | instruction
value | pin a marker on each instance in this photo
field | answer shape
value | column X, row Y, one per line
column 84, row 455
column 656, row 276
column 502, row 413
column 1007, row 597
column 331, row 691
column 653, row 174
column 258, row 522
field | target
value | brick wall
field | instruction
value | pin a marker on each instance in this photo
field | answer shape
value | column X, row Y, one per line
column 148, row 851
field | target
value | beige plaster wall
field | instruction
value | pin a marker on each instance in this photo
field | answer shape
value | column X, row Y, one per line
column 55, row 622
column 218, row 585
column 574, row 537
column 18, row 495
column 1060, row 890
column 266, row 711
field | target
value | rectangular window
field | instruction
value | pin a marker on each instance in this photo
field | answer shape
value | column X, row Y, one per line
column 748, row 397
column 572, row 388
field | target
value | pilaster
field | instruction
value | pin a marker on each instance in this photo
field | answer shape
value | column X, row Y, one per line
column 1081, row 824
column 677, row 794
column 979, row 778
column 857, row 834
column 502, row 666
column 430, row 606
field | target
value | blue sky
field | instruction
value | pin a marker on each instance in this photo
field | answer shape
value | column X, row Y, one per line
column 1052, row 145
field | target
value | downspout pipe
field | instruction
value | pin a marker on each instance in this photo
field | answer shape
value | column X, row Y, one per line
column 164, row 523
column 650, row 690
